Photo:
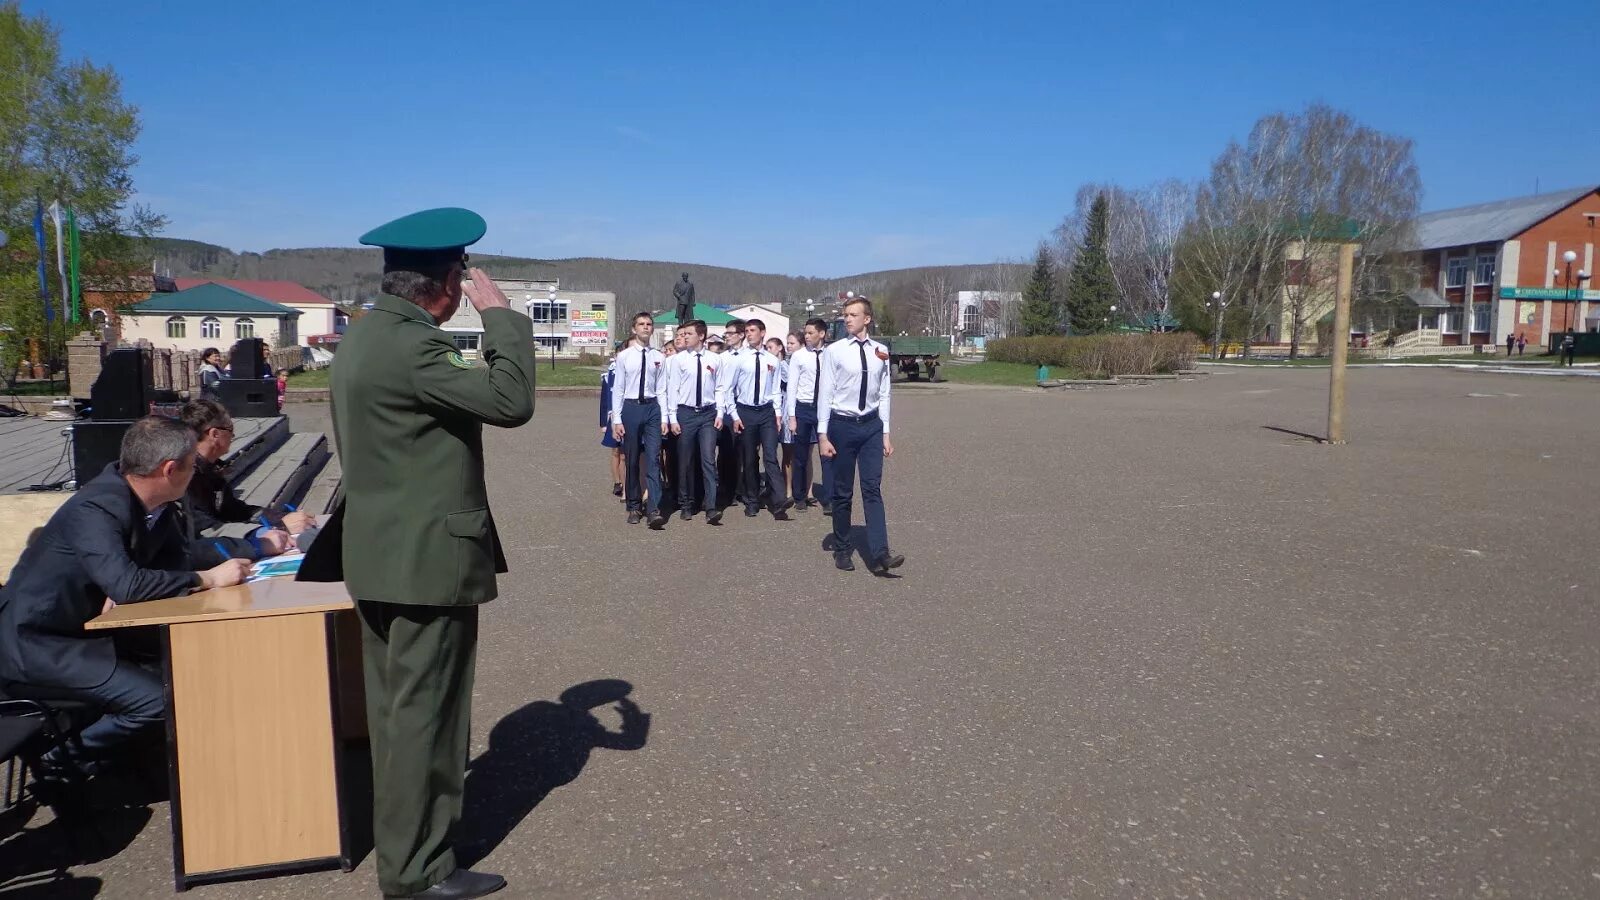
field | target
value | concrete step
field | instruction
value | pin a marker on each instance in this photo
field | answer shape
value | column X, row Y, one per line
column 323, row 494
column 282, row 476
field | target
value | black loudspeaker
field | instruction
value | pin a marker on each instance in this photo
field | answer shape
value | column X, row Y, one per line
column 95, row 445
column 124, row 389
column 249, row 398
column 245, row 360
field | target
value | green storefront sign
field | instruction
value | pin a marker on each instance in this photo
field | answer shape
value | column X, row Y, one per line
column 1512, row 293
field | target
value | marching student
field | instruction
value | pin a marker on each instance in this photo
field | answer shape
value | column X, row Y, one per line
column 800, row 409
column 694, row 415
column 637, row 422
column 607, row 381
column 752, row 400
column 780, row 349
column 730, row 467
column 853, row 430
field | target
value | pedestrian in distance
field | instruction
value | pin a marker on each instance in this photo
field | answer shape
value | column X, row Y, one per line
column 1511, row 344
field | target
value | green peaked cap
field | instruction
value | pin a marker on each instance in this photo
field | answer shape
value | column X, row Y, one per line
column 447, row 228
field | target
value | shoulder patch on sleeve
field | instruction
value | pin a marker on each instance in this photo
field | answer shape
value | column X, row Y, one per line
column 455, row 360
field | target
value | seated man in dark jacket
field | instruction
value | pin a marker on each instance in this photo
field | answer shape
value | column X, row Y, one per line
column 212, row 502
column 118, row 540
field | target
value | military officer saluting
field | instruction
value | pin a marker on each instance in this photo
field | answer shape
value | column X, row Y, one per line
column 413, row 538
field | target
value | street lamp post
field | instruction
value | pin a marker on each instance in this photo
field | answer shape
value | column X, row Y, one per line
column 1216, row 329
column 1114, row 314
column 552, row 314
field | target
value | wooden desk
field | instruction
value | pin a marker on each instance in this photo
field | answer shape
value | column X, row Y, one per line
column 264, row 700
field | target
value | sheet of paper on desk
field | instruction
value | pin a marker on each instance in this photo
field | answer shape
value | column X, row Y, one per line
column 273, row 567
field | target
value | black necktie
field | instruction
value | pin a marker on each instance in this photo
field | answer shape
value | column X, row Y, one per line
column 816, row 377
column 699, row 374
column 861, row 401
column 644, row 357
column 755, row 398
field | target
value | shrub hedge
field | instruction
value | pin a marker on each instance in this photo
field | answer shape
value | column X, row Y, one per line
column 1102, row 355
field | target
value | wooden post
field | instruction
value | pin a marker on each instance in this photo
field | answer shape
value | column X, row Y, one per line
column 1341, row 341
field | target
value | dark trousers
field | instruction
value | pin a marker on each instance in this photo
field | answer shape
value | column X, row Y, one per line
column 131, row 701
column 729, row 459
column 697, row 444
column 805, row 420
column 669, row 471
column 761, row 433
column 418, row 662
column 859, row 445
column 641, row 424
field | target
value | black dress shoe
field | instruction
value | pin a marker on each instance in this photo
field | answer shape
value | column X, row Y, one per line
column 635, row 517
column 830, row 543
column 884, row 563
column 616, row 489
column 752, row 511
column 658, row 520
column 685, row 514
column 827, row 508
column 714, row 517
column 462, row 884
column 841, row 561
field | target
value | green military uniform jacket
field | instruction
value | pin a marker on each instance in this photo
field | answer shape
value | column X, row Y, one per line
column 408, row 417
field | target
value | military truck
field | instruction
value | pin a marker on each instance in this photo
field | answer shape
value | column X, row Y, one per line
column 914, row 356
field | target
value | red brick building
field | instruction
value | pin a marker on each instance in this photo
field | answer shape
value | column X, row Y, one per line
column 1501, row 268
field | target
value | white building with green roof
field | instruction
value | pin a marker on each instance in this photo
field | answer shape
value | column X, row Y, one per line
column 209, row 315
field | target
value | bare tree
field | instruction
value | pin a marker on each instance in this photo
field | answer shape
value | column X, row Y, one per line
column 936, row 302
column 1350, row 184
column 1237, row 241
column 1146, row 226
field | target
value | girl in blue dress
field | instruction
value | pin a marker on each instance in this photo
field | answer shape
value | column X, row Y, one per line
column 606, row 440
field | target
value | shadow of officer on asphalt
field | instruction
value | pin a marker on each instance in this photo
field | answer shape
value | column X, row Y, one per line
column 537, row 749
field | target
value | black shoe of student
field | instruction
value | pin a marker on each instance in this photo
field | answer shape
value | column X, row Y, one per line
column 635, row 517
column 830, row 543
column 616, row 489
column 658, row 520
column 462, row 884
column 751, row 511
column 686, row 514
column 827, row 508
column 713, row 517
column 884, row 563
column 780, row 511
column 841, row 561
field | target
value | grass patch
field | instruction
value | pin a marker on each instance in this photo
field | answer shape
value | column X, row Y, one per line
column 1020, row 374
column 36, row 388
column 309, row 378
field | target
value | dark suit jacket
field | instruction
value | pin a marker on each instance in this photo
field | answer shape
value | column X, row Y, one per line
column 212, row 503
column 97, row 545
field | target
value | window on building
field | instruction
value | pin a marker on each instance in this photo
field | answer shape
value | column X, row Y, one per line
column 546, row 342
column 597, row 307
column 1483, row 272
column 1451, row 322
column 244, row 328
column 545, row 312
column 467, row 343
column 1428, row 319
column 177, row 327
column 972, row 320
column 1455, row 272
column 211, row 327
column 1480, row 317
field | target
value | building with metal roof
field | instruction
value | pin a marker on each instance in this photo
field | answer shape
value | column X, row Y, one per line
column 209, row 315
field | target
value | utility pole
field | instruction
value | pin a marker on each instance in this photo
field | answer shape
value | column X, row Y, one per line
column 1341, row 340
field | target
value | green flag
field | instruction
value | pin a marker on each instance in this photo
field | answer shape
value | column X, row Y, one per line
column 76, row 289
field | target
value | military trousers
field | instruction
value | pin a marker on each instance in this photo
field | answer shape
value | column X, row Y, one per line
column 418, row 662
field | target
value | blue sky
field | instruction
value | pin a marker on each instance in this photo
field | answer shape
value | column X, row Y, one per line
column 802, row 138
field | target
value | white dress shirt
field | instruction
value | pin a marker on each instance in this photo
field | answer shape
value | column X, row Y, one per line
column 631, row 362
column 685, row 370
column 741, row 382
column 802, row 379
column 839, row 381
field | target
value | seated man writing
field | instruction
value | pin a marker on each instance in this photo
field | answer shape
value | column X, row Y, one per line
column 212, row 502
column 118, row 540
